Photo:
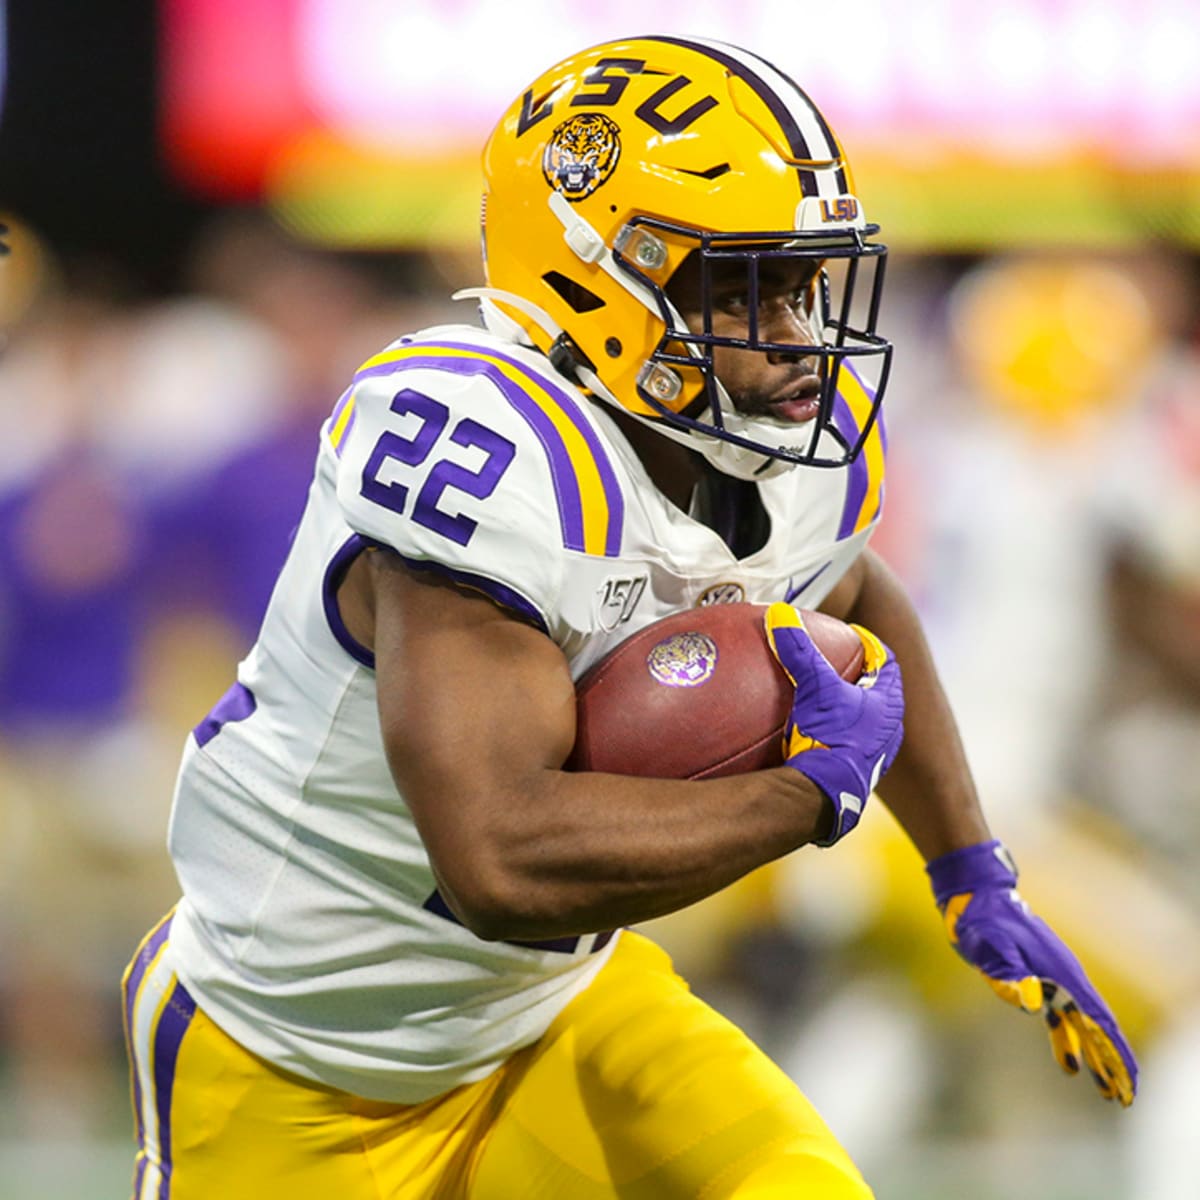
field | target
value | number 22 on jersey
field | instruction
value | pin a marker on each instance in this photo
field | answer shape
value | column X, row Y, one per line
column 397, row 457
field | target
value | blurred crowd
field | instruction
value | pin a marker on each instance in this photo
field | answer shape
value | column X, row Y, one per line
column 1043, row 507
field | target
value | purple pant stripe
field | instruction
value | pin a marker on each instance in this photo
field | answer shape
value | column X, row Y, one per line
column 146, row 954
column 172, row 1025
column 138, row 1175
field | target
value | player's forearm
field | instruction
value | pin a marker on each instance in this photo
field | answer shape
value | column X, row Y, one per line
column 610, row 850
column 929, row 787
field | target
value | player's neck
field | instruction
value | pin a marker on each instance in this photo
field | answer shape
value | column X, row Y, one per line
column 674, row 468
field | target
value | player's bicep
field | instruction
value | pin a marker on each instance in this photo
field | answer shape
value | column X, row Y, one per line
column 475, row 705
column 843, row 597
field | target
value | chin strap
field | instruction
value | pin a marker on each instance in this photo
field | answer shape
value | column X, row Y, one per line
column 499, row 322
column 588, row 246
column 725, row 456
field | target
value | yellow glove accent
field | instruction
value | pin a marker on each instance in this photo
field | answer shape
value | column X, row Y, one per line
column 1021, row 993
column 799, row 742
column 1064, row 1041
column 874, row 654
column 777, row 616
column 953, row 910
column 1101, row 1056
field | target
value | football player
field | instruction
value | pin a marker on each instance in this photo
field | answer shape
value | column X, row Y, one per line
column 397, row 967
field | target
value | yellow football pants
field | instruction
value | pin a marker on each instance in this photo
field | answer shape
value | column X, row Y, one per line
column 638, row 1090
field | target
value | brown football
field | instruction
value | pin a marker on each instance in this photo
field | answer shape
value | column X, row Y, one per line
column 696, row 695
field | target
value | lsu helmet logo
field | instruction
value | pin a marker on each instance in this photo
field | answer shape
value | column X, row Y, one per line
column 821, row 212
column 581, row 154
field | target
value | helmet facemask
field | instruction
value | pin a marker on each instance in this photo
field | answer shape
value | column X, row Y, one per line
column 679, row 381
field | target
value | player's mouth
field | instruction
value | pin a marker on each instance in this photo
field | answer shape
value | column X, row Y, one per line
column 800, row 401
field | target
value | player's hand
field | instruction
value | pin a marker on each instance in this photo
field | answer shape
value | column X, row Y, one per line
column 843, row 736
column 1028, row 965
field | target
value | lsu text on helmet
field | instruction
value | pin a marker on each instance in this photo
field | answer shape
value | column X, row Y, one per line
column 620, row 163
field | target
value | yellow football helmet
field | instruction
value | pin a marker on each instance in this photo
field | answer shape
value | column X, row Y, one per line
column 618, row 164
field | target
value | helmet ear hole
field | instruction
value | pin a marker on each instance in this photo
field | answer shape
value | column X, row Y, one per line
column 581, row 299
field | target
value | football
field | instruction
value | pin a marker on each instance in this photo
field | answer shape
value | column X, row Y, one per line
column 696, row 695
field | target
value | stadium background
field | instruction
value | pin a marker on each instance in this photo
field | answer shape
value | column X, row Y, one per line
column 219, row 207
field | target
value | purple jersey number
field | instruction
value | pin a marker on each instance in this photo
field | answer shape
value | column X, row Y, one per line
column 445, row 475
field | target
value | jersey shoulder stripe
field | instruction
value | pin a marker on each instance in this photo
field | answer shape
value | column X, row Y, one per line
column 341, row 421
column 591, row 507
column 864, row 489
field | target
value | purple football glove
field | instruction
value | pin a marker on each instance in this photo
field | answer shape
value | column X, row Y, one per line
column 1028, row 965
column 842, row 735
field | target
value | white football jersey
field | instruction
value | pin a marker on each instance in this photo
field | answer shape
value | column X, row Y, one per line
column 310, row 927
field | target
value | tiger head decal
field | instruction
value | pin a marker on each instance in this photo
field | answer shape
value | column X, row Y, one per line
column 581, row 154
